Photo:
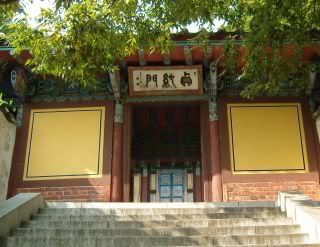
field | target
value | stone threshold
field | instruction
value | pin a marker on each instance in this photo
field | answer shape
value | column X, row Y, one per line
column 151, row 205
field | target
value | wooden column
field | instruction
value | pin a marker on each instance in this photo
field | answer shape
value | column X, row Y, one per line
column 197, row 184
column 144, row 185
column 127, row 151
column 315, row 131
column 215, row 152
column 116, row 194
column 205, row 154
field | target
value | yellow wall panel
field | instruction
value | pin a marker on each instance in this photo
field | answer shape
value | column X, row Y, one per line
column 267, row 138
column 65, row 143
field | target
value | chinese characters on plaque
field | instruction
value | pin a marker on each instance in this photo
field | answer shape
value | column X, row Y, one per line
column 165, row 80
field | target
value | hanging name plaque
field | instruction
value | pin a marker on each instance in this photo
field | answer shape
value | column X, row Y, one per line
column 164, row 80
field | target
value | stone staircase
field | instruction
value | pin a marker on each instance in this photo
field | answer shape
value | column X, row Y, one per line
column 188, row 224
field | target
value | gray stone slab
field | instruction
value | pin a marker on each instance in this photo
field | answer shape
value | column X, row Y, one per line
column 156, row 216
column 17, row 209
column 155, row 211
column 8, row 135
column 269, row 204
column 63, row 205
column 157, row 205
column 160, row 231
column 205, row 240
column 147, row 205
column 303, row 211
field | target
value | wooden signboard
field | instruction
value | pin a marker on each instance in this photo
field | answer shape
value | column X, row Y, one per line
column 165, row 80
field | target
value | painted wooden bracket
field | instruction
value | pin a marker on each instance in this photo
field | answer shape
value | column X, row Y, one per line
column 166, row 58
column 213, row 110
column 213, row 79
column 142, row 58
column 115, row 82
column 118, row 115
column 188, row 55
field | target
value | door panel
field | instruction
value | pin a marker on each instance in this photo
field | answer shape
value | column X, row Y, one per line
column 171, row 186
column 165, row 187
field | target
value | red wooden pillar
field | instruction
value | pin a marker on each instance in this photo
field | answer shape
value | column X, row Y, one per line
column 127, row 122
column 144, row 185
column 215, row 153
column 197, row 184
column 316, row 142
column 205, row 154
column 116, row 194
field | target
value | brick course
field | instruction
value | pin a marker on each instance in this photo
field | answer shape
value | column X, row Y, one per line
column 253, row 191
column 268, row 191
column 72, row 193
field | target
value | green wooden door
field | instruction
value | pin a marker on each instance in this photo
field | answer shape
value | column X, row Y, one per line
column 171, row 186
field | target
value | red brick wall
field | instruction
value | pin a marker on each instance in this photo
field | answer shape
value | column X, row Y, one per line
column 267, row 191
column 71, row 193
column 253, row 191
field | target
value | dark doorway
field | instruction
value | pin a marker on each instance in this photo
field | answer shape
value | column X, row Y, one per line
column 164, row 139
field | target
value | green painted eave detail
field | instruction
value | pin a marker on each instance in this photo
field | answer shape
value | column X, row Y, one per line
column 70, row 98
column 194, row 43
column 211, row 42
column 166, row 98
column 6, row 48
column 236, row 42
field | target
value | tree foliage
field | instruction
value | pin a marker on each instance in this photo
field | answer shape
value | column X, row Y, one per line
column 82, row 40
column 2, row 101
column 7, row 12
column 276, row 33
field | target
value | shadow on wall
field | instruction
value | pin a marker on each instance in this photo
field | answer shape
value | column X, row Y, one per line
column 7, row 140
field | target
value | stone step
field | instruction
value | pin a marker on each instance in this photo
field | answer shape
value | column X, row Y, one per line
column 238, row 240
column 267, row 214
column 263, row 245
column 152, row 211
column 11, row 244
column 203, row 224
column 160, row 231
column 158, row 223
column 160, row 205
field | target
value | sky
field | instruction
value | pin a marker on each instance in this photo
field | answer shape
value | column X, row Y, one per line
column 33, row 9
